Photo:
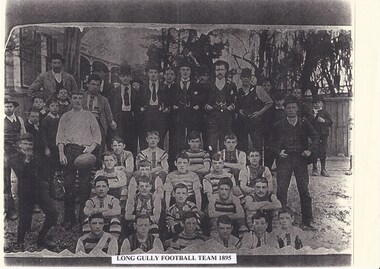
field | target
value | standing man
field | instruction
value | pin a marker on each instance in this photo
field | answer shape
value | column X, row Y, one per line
column 290, row 143
column 53, row 80
column 102, row 72
column 154, row 106
column 99, row 106
column 78, row 133
column 13, row 128
column 251, row 104
column 220, row 106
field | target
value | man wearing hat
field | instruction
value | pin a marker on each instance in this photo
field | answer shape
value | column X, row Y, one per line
column 203, row 75
column 321, row 122
column 290, row 142
column 220, row 106
column 251, row 104
column 154, row 105
column 124, row 105
column 100, row 70
column 31, row 190
column 13, row 127
column 53, row 80
column 78, row 136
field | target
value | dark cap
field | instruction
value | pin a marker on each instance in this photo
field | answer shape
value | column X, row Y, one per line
column 125, row 70
column 26, row 136
column 290, row 100
column 318, row 98
column 184, row 63
column 96, row 66
column 246, row 72
column 153, row 66
column 203, row 70
column 9, row 101
column 57, row 56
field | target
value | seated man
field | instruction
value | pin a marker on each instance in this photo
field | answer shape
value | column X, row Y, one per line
column 262, row 199
column 124, row 158
column 287, row 234
column 97, row 240
column 211, row 180
column 234, row 159
column 183, row 175
column 189, row 235
column 142, row 239
column 224, row 237
column 248, row 175
column 107, row 205
column 175, row 213
column 225, row 203
column 199, row 159
column 144, row 202
column 259, row 236
column 117, row 179
column 145, row 169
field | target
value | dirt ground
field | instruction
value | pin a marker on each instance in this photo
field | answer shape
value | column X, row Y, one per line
column 332, row 206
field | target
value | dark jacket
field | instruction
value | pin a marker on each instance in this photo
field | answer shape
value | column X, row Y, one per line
column 322, row 128
column 116, row 101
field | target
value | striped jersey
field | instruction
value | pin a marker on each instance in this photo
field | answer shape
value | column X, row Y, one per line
column 106, row 243
column 190, row 179
column 198, row 157
column 211, row 181
column 174, row 216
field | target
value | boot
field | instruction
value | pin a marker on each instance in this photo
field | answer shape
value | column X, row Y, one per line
column 314, row 171
column 324, row 172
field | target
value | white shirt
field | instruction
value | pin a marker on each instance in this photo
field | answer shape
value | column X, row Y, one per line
column 11, row 118
column 293, row 123
column 124, row 107
column 58, row 76
column 219, row 83
column 54, row 117
column 183, row 84
column 151, row 102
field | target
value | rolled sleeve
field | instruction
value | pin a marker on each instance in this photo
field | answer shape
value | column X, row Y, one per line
column 263, row 96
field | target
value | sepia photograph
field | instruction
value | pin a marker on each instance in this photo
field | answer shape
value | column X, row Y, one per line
column 165, row 140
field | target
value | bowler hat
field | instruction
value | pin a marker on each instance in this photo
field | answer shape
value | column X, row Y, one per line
column 7, row 101
column 317, row 98
column 246, row 72
column 184, row 63
column 125, row 70
column 290, row 100
column 57, row 56
column 153, row 66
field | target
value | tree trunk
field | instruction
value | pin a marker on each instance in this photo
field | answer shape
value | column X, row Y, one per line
column 71, row 51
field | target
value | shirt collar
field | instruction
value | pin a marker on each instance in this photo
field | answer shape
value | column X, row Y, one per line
column 54, row 117
column 280, row 107
column 151, row 82
column 293, row 122
column 12, row 117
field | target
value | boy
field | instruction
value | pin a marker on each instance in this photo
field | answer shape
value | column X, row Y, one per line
column 211, row 180
column 183, row 175
column 287, row 234
column 189, row 235
column 63, row 101
column 220, row 106
column 262, row 199
column 32, row 126
column 97, row 240
column 199, row 159
column 38, row 102
column 254, row 170
column 31, row 190
column 142, row 239
column 106, row 204
column 225, row 203
column 144, row 202
column 49, row 128
column 144, row 169
column 259, row 236
column 234, row 159
column 117, row 179
column 13, row 128
column 321, row 123
column 251, row 104
column 174, row 213
column 276, row 113
column 304, row 110
column 155, row 155
column 224, row 237
column 124, row 158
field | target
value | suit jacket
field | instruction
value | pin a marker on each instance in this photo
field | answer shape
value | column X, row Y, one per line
column 48, row 83
column 229, row 92
column 105, row 114
column 322, row 128
column 308, row 132
column 116, row 102
column 107, row 87
column 161, row 95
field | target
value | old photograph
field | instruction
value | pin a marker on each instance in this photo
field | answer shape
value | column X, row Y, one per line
column 167, row 138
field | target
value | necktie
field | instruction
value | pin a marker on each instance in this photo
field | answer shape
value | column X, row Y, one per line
column 185, row 85
column 126, row 97
column 258, row 243
column 144, row 247
column 225, row 242
column 288, row 240
column 154, row 94
column 91, row 103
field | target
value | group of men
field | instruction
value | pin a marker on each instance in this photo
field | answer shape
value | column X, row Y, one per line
column 75, row 131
